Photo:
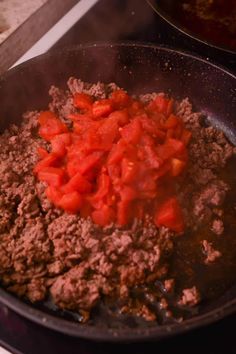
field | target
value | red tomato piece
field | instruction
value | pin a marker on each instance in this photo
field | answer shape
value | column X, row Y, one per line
column 50, row 125
column 102, row 108
column 77, row 183
column 171, row 122
column 186, row 136
column 83, row 101
column 128, row 193
column 86, row 210
column 170, row 107
column 131, row 133
column 178, row 131
column 170, row 148
column 77, row 150
column 114, row 172
column 72, row 167
column 42, row 152
column 121, row 117
column 117, row 152
column 128, row 170
column 104, row 216
column 103, row 186
column 60, row 142
column 54, row 195
column 147, row 188
column 120, row 99
column 170, row 133
column 151, row 156
column 90, row 162
column 163, row 170
column 50, row 160
column 45, row 116
column 81, row 126
column 71, row 202
column 80, row 116
column 169, row 214
column 153, row 127
column 52, row 176
column 108, row 131
column 103, row 189
column 123, row 212
column 164, row 105
column 177, row 167
column 136, row 108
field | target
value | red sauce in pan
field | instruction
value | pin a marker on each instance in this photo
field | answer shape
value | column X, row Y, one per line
column 212, row 20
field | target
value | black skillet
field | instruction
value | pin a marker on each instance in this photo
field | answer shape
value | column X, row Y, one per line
column 139, row 69
column 168, row 10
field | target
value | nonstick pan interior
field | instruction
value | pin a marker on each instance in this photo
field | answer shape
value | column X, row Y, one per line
column 139, row 69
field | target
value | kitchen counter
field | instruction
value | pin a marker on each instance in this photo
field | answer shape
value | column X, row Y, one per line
column 14, row 12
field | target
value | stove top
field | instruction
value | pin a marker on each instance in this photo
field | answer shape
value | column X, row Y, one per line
column 118, row 20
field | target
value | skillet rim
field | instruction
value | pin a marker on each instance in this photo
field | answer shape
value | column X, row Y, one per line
column 180, row 28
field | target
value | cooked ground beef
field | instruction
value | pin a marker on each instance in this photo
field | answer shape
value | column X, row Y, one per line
column 210, row 252
column 217, row 227
column 44, row 251
column 190, row 297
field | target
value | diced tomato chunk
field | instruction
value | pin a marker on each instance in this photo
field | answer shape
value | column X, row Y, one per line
column 163, row 170
column 120, row 99
column 136, row 108
column 52, row 176
column 186, row 136
column 54, row 194
column 102, row 108
column 169, row 214
column 71, row 202
column 152, row 127
column 50, row 160
column 151, row 156
column 42, row 152
column 80, row 116
column 83, row 101
column 60, row 142
column 83, row 125
column 77, row 183
column 171, row 122
column 50, row 125
column 89, row 162
column 72, row 167
column 104, row 216
column 121, row 117
column 45, row 116
column 170, row 133
column 117, row 152
column 177, row 167
column 104, row 184
column 129, row 170
column 170, row 148
column 108, row 131
column 132, row 132
column 128, row 193
column 123, row 212
column 163, row 105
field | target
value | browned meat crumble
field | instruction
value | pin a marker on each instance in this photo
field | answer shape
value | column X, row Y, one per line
column 210, row 252
column 44, row 251
column 190, row 297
